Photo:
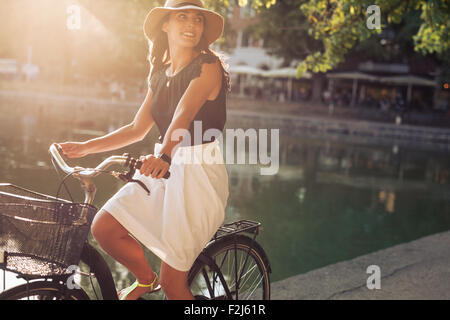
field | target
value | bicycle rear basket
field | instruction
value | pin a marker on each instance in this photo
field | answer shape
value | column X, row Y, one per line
column 41, row 235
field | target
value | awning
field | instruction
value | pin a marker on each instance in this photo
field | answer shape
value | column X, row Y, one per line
column 285, row 73
column 274, row 73
column 352, row 76
column 409, row 80
column 245, row 70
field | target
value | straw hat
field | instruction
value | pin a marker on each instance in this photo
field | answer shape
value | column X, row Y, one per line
column 213, row 21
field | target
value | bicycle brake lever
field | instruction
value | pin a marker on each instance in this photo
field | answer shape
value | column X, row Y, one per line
column 129, row 178
column 141, row 184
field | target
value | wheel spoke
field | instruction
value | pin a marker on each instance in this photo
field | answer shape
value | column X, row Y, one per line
column 242, row 268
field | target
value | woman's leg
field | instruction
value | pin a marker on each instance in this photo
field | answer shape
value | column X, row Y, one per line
column 117, row 242
column 174, row 283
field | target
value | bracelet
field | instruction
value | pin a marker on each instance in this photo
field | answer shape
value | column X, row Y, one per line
column 165, row 157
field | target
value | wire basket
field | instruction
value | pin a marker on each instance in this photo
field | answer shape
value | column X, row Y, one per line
column 41, row 235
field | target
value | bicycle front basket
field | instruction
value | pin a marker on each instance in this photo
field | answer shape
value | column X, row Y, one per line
column 41, row 235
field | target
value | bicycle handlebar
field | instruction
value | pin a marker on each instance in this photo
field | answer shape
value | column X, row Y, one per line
column 124, row 160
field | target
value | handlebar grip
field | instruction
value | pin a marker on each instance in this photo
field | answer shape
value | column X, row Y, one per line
column 138, row 165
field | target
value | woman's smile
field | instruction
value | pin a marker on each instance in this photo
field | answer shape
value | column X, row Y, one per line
column 189, row 35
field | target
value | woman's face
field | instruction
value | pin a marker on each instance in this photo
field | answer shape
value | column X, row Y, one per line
column 184, row 28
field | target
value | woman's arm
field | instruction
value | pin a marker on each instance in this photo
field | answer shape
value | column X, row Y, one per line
column 128, row 134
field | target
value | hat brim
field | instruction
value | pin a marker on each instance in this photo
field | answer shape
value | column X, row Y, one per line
column 214, row 22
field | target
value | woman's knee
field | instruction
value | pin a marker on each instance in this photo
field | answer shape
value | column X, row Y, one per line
column 105, row 226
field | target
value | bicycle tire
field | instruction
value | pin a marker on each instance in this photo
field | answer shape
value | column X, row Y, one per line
column 201, row 274
column 43, row 290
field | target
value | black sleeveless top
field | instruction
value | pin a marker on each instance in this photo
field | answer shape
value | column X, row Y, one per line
column 168, row 91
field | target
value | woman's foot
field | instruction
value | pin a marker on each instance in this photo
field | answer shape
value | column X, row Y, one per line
column 140, row 289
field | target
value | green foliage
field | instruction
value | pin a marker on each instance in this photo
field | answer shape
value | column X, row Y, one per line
column 257, row 3
column 284, row 29
column 341, row 25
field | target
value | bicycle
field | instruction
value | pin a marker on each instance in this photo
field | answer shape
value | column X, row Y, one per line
column 232, row 266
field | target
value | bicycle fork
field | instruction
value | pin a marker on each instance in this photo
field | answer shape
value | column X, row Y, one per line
column 98, row 266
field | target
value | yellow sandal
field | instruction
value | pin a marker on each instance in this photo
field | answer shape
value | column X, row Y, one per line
column 137, row 284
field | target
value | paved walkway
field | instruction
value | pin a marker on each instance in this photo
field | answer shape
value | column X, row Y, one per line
column 416, row 270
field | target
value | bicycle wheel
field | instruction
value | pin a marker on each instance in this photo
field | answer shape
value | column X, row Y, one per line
column 42, row 290
column 243, row 265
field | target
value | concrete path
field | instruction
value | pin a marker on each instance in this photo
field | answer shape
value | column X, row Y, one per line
column 416, row 270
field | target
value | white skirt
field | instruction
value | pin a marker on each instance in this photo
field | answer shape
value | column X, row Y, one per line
column 182, row 213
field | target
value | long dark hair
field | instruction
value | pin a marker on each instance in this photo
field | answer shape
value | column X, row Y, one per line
column 159, row 54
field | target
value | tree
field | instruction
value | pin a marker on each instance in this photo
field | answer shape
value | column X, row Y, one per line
column 284, row 29
column 341, row 24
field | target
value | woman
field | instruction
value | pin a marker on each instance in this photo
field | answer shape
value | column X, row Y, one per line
column 187, row 83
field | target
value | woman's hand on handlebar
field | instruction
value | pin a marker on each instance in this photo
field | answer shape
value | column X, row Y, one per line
column 153, row 166
column 74, row 149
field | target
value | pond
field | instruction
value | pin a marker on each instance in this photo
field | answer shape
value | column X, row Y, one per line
column 331, row 200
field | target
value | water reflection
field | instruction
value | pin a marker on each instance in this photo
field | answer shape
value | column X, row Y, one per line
column 333, row 201
column 330, row 201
